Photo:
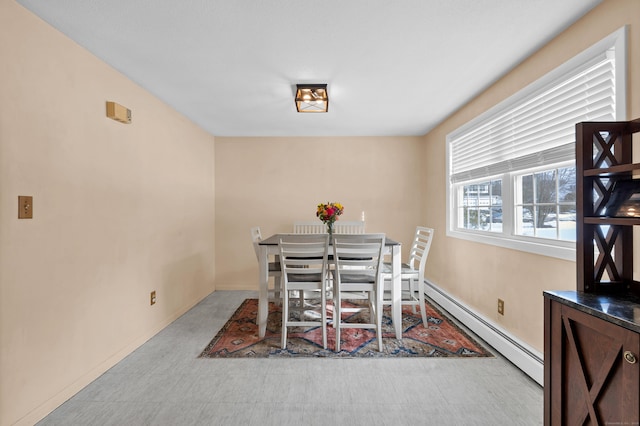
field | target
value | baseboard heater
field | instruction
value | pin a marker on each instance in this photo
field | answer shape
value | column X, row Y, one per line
column 527, row 359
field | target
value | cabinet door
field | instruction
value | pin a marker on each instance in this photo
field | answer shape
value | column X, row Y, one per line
column 594, row 373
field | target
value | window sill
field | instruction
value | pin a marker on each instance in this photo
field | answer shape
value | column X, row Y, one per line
column 565, row 250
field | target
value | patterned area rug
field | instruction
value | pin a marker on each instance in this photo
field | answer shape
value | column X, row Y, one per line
column 441, row 338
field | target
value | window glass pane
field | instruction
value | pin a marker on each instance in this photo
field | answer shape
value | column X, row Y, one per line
column 471, row 221
column 567, row 223
column 524, row 220
column 544, row 227
column 546, row 221
column 545, row 187
column 546, row 217
column 470, row 195
column 484, row 216
column 496, row 190
column 567, row 185
column 481, row 206
column 547, row 208
column 494, row 212
column 527, row 189
column 496, row 219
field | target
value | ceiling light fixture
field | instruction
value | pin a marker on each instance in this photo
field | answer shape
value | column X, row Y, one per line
column 312, row 98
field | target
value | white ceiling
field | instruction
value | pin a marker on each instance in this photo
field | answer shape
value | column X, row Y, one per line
column 393, row 67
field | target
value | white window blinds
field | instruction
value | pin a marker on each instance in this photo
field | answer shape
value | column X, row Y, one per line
column 539, row 129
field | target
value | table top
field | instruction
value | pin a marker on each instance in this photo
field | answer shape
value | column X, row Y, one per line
column 275, row 239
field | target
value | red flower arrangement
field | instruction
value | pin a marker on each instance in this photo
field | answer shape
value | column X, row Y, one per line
column 328, row 213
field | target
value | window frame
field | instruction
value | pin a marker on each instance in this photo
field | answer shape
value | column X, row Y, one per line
column 508, row 239
column 558, row 204
column 459, row 197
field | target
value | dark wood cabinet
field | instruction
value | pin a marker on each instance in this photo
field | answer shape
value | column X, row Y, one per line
column 592, row 335
column 592, row 374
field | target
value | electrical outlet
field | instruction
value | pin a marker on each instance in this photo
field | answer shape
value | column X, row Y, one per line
column 501, row 306
column 153, row 297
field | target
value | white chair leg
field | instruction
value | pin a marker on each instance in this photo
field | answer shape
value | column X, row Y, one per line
column 423, row 309
column 285, row 318
column 334, row 315
column 413, row 290
column 278, row 284
column 372, row 309
column 379, row 319
column 324, row 319
column 337, row 320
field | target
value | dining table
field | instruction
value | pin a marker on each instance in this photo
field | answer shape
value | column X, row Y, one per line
column 268, row 248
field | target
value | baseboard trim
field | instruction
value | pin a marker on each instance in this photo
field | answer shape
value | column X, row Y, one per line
column 527, row 359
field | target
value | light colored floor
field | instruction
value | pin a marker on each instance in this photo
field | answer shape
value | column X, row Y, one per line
column 164, row 383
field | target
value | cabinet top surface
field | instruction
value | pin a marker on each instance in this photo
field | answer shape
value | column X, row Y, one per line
column 623, row 310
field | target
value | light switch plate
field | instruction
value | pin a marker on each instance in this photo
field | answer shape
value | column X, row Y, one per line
column 25, row 207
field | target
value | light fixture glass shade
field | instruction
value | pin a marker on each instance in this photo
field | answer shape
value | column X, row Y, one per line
column 312, row 98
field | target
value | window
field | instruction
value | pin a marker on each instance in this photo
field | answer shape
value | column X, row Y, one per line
column 512, row 170
column 545, row 204
column 481, row 206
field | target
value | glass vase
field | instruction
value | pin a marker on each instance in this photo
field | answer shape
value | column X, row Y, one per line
column 330, row 231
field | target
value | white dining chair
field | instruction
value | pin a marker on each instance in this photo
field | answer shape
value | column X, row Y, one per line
column 309, row 227
column 412, row 273
column 303, row 260
column 274, row 267
column 357, row 277
column 348, row 227
column 339, row 227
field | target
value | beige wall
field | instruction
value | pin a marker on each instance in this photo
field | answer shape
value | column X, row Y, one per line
column 272, row 182
column 479, row 274
column 119, row 210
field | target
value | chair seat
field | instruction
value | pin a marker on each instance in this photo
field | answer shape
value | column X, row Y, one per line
column 301, row 278
column 359, row 278
column 404, row 269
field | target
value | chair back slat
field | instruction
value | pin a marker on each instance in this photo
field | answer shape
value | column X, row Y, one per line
column 303, row 255
column 304, row 227
column 339, row 227
column 349, row 227
column 355, row 254
column 420, row 247
column 256, row 237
